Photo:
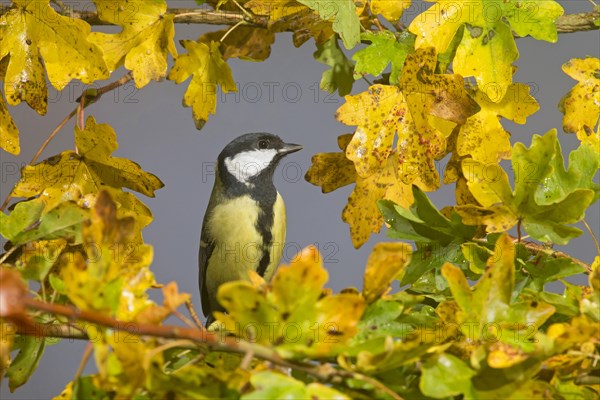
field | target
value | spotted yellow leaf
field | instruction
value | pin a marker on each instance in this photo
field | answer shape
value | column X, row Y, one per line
column 31, row 31
column 483, row 137
column 581, row 105
column 487, row 48
column 9, row 134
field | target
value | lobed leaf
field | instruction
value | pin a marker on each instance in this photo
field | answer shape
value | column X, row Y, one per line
column 144, row 42
column 205, row 63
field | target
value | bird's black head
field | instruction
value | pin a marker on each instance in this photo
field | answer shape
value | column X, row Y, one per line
column 250, row 159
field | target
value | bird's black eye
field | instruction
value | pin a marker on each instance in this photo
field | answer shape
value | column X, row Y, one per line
column 263, row 144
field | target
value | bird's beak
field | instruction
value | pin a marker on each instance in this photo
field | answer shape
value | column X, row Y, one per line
column 289, row 148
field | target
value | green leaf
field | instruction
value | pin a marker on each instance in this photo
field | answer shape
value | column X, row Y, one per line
column 30, row 352
column 549, row 269
column 23, row 217
column 583, row 165
column 343, row 13
column 431, row 257
column 57, row 284
column 339, row 77
column 84, row 388
column 305, row 322
column 422, row 221
column 535, row 167
column 476, row 255
column 273, row 385
column 63, row 221
column 37, row 258
column 383, row 50
column 445, row 375
column 81, row 176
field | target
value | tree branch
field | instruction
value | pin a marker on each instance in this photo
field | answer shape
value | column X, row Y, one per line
column 564, row 24
column 15, row 301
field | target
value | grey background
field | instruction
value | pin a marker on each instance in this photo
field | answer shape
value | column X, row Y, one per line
column 157, row 132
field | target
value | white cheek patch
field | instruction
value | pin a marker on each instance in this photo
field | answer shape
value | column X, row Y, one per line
column 247, row 164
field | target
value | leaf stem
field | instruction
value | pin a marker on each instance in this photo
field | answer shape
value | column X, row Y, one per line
column 84, row 360
column 193, row 314
column 242, row 22
column 594, row 238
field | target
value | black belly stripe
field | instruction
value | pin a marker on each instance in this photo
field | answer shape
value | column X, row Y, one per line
column 262, row 190
column 264, row 224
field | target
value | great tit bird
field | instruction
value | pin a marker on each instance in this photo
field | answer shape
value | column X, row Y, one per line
column 244, row 224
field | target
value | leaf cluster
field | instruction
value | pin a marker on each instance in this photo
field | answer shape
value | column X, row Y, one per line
column 452, row 307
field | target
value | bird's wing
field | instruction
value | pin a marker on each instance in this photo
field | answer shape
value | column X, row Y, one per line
column 206, row 249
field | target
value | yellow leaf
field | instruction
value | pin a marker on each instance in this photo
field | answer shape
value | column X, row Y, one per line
column 174, row 299
column 361, row 212
column 206, row 64
column 482, row 136
column 581, row 105
column 487, row 54
column 80, row 176
column 9, row 331
column 143, row 43
column 591, row 137
column 487, row 48
column 390, row 9
column 276, row 9
column 386, row 263
column 32, row 30
column 299, row 322
column 503, row 355
column 112, row 274
column 332, row 171
column 378, row 113
column 9, row 134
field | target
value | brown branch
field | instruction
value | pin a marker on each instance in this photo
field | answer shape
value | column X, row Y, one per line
column 16, row 301
column 538, row 248
column 578, row 22
column 564, row 24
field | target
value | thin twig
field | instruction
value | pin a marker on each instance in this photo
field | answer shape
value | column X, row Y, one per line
column 184, row 319
column 89, row 96
column 242, row 22
column 84, row 360
column 190, row 307
column 594, row 238
column 8, row 253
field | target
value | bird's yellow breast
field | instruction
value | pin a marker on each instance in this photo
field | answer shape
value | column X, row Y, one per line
column 238, row 244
